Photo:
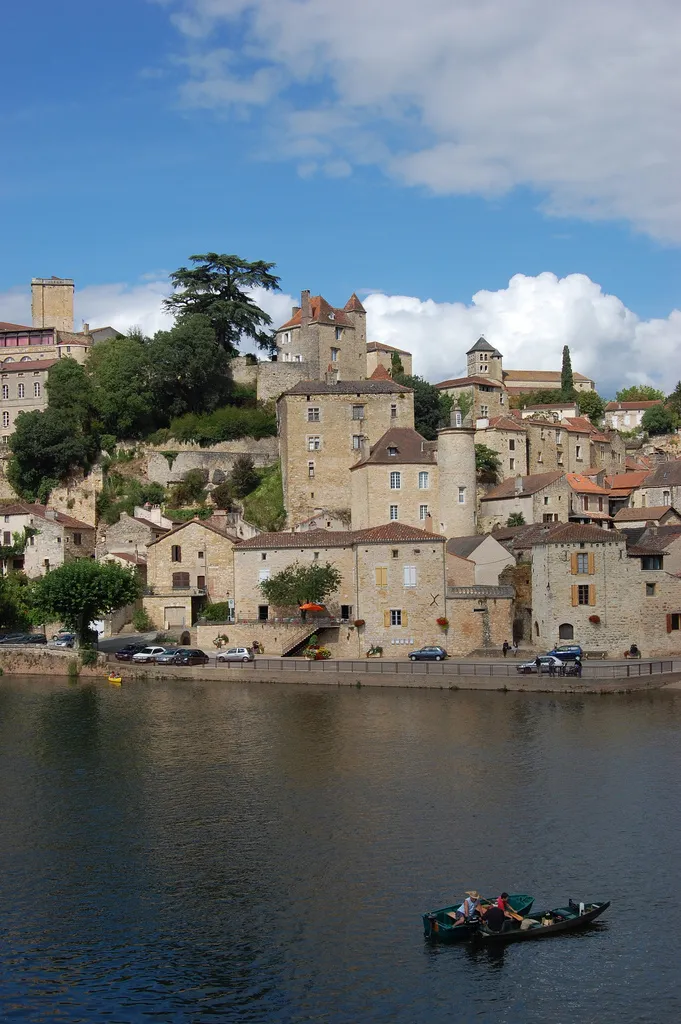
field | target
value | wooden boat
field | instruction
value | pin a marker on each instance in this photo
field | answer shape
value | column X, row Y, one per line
column 541, row 925
column 438, row 925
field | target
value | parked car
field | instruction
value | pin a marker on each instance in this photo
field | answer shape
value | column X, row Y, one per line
column 545, row 663
column 167, row 657
column 190, row 657
column 126, row 653
column 148, row 655
column 236, row 654
column 64, row 640
column 30, row 638
column 11, row 638
column 567, row 652
column 428, row 654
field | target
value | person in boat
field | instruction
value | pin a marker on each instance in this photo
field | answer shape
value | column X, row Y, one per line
column 469, row 908
column 495, row 916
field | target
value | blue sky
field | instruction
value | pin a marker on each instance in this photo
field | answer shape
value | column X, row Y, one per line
column 137, row 133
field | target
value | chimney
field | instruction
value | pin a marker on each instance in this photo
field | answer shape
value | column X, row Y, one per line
column 51, row 513
column 86, row 328
column 294, row 310
column 429, row 523
column 331, row 376
column 518, row 484
column 306, row 315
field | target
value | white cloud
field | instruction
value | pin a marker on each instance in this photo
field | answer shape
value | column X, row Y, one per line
column 529, row 322
column 577, row 100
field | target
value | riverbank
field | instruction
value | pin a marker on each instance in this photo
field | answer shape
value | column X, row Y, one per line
column 601, row 677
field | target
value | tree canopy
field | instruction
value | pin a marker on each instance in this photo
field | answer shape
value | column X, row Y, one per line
column 217, row 286
column 658, row 420
column 189, row 370
column 591, row 404
column 567, row 382
column 70, row 392
column 243, row 479
column 121, row 373
column 674, row 401
column 639, row 393
column 45, row 447
column 487, row 464
column 431, row 408
column 297, row 584
column 79, row 592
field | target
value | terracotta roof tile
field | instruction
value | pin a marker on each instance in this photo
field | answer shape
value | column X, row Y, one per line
column 573, row 533
column 353, row 305
column 583, row 484
column 628, row 406
column 394, row 533
column 534, row 375
column 30, row 366
column 507, row 423
column 531, row 484
column 4, row 326
column 390, row 533
column 643, row 515
column 628, row 481
column 321, row 312
column 206, row 523
column 380, row 346
column 380, row 373
column 409, row 446
column 23, row 508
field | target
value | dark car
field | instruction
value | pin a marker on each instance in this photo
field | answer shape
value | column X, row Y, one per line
column 11, row 638
column 428, row 654
column 126, row 653
column 567, row 652
column 31, row 638
column 190, row 657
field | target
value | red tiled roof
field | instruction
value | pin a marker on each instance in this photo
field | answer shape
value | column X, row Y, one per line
column 507, row 423
column 580, row 424
column 410, row 449
column 628, row 406
column 380, row 346
column 627, row 481
column 643, row 515
column 321, row 312
column 572, row 533
column 346, row 387
column 531, row 484
column 390, row 533
column 27, row 508
column 29, row 366
column 4, row 326
column 380, row 373
column 463, row 381
column 353, row 305
column 583, row 485
column 206, row 523
column 533, row 375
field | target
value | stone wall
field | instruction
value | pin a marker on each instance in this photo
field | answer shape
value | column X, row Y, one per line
column 275, row 378
column 251, row 565
column 372, row 496
column 78, row 496
column 218, row 460
column 511, row 447
column 476, row 622
column 244, row 372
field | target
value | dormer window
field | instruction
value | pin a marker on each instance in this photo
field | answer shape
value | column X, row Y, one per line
column 332, row 316
column 392, row 450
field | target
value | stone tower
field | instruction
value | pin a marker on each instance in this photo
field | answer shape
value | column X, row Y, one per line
column 483, row 360
column 52, row 302
column 457, row 480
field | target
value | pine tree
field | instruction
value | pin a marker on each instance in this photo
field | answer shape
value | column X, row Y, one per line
column 567, row 384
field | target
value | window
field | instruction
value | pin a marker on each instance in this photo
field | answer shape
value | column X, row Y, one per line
column 393, row 512
column 559, row 435
column 357, row 441
column 583, row 594
column 358, row 412
column 21, row 391
column 395, row 616
column 382, row 576
column 310, row 469
column 578, row 452
column 395, row 480
column 200, row 582
column 540, row 457
column 313, row 414
column 346, row 612
column 424, row 481
column 585, row 502
column 200, row 554
column 339, row 334
column 560, row 458
column 176, row 553
column 5, row 419
column 6, row 519
column 335, row 352
column 7, row 538
column 462, row 495
column 263, row 612
column 511, row 446
column 600, row 504
column 665, row 497
column 314, row 444
column 542, row 434
column 263, row 574
column 315, row 555
column 484, row 411
column 651, row 562
column 423, row 512
column 68, row 348
column 458, row 419
column 36, row 390
column 393, row 411
column 5, row 391
column 392, row 451
column 78, row 539
column 550, row 517
column 297, row 359
column 409, row 575
column 511, row 463
column 582, row 563
column 673, row 621
column 285, row 338
column 650, row 589
column 546, row 499
column 395, row 553
column 566, row 631
column 180, row 580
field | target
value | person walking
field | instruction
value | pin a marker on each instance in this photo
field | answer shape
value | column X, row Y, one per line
column 505, row 647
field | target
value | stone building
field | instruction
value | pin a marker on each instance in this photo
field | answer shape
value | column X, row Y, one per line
column 589, row 501
column 380, row 354
column 627, row 415
column 507, row 436
column 654, row 516
column 486, row 396
column 538, row 498
column 588, row 585
column 22, row 389
column 131, row 534
column 521, row 381
column 52, row 334
column 483, row 552
column 323, row 520
column 397, row 480
column 554, row 411
column 186, row 568
column 52, row 537
column 324, row 428
column 663, row 486
column 457, row 480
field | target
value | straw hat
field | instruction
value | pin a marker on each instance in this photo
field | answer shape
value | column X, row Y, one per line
column 474, row 894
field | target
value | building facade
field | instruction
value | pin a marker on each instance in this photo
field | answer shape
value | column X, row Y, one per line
column 379, row 354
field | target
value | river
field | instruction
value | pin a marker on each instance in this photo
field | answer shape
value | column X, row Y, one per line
column 205, row 852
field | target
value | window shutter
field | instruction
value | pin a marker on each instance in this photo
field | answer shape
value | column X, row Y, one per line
column 592, row 594
column 575, row 595
column 669, row 623
column 386, row 618
column 592, row 566
column 405, row 618
column 573, row 561
column 381, row 577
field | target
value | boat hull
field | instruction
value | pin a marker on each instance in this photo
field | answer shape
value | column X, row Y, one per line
column 572, row 921
column 438, row 926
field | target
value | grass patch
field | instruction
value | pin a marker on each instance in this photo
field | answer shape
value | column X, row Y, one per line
column 264, row 507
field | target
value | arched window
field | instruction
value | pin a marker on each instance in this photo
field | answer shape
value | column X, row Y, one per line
column 5, row 419
column 566, row 631
column 5, row 391
column 10, row 359
column 36, row 389
column 25, row 359
column 21, row 391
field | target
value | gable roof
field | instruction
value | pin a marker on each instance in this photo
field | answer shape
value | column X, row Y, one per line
column 205, row 523
column 135, row 558
column 583, row 484
column 507, row 423
column 462, row 547
column 390, row 533
column 628, row 481
column 28, row 508
column 380, row 373
column 628, row 406
column 4, row 326
column 465, row 381
column 643, row 515
column 533, row 375
column 322, row 312
column 380, row 346
column 410, row 447
column 353, row 305
column 156, row 527
column 668, row 474
column 572, row 533
column 29, row 366
column 346, row 387
column 531, row 484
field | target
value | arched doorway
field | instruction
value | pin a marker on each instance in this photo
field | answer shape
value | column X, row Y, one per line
column 185, row 639
column 566, row 631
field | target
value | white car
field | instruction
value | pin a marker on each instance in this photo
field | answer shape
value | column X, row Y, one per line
column 237, row 654
column 547, row 663
column 148, row 655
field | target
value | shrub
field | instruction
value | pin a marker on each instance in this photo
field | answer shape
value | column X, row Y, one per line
column 190, row 490
column 264, row 507
column 222, row 496
column 243, row 477
column 88, row 656
column 141, row 622
column 218, row 612
column 226, row 424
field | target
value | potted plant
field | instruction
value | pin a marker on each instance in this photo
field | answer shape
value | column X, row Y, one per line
column 322, row 654
column 220, row 640
column 375, row 651
column 595, row 619
column 443, row 623
column 358, row 623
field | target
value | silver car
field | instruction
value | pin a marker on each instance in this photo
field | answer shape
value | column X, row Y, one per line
column 544, row 663
column 148, row 655
column 167, row 657
column 236, row 654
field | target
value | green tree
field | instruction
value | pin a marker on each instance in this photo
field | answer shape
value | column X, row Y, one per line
column 222, row 496
column 431, row 408
column 567, row 383
column 46, row 447
column 516, row 519
column 217, row 287
column 464, row 403
column 674, row 401
column 243, row 479
column 658, row 420
column 487, row 464
column 70, row 392
column 191, row 489
column 639, row 393
column 83, row 590
column 15, row 608
column 396, row 366
column 121, row 374
column 190, row 371
column 591, row 404
column 297, row 584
